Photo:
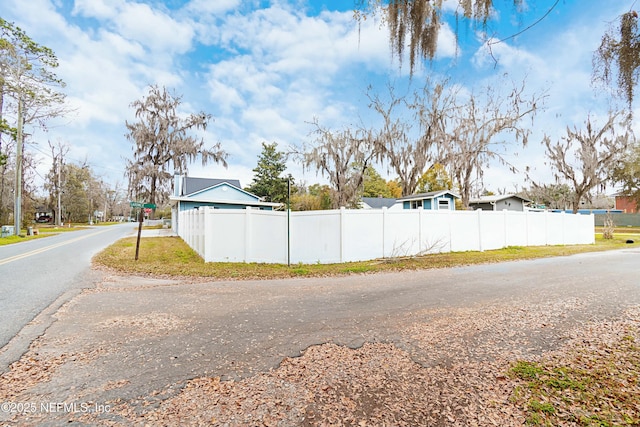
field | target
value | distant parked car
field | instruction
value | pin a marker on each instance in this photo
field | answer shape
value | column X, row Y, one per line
column 43, row 219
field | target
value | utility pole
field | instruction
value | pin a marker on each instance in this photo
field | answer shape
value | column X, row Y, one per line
column 59, row 213
column 17, row 211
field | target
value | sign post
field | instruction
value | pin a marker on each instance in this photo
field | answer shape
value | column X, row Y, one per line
column 142, row 207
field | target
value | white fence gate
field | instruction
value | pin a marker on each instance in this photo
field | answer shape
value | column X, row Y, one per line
column 345, row 235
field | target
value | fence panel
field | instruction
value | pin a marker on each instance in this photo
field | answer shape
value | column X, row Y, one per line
column 362, row 236
column 268, row 237
column 355, row 235
column 465, row 235
column 315, row 237
column 401, row 235
column 436, row 232
column 492, row 230
column 227, row 235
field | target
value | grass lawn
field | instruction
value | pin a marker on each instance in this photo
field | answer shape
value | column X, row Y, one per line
column 171, row 256
column 45, row 231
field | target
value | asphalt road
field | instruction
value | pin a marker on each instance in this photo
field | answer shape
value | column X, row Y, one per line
column 39, row 273
column 149, row 333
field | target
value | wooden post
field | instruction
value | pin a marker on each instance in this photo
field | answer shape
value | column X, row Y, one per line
column 140, row 219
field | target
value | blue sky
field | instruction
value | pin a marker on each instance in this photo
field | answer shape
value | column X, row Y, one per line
column 265, row 69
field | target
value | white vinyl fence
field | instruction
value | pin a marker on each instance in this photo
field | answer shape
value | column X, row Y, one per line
column 344, row 235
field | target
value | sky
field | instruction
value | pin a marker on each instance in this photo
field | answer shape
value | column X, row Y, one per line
column 266, row 69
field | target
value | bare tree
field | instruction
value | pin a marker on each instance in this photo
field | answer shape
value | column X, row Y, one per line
column 412, row 130
column 551, row 196
column 477, row 134
column 54, row 179
column 595, row 152
column 343, row 156
column 162, row 145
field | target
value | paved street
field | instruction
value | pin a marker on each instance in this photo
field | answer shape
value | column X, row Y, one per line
column 35, row 274
column 133, row 339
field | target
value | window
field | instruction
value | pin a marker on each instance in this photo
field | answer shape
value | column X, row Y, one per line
column 416, row 204
column 443, row 204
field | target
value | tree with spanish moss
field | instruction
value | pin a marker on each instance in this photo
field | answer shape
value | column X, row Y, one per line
column 483, row 125
column 417, row 23
column 164, row 143
column 585, row 158
column 413, row 129
column 616, row 62
column 343, row 156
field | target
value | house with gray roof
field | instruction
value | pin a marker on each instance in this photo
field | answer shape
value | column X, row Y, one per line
column 433, row 200
column 510, row 202
column 377, row 202
column 194, row 193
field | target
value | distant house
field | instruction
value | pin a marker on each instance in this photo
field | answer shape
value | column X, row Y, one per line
column 377, row 202
column 193, row 193
column 434, row 200
column 510, row 202
column 626, row 204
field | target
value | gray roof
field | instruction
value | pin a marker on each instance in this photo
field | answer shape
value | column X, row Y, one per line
column 429, row 195
column 193, row 185
column 497, row 198
column 379, row 202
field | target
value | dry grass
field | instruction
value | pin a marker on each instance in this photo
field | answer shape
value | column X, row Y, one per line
column 596, row 382
column 171, row 256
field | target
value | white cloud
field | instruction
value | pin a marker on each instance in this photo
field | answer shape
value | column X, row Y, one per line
column 209, row 7
column 154, row 28
column 100, row 9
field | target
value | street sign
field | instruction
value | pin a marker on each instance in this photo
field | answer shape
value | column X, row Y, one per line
column 135, row 204
column 150, row 205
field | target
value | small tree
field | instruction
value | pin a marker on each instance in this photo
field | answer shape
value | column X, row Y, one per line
column 162, row 144
column 595, row 152
column 435, row 178
column 267, row 181
column 374, row 185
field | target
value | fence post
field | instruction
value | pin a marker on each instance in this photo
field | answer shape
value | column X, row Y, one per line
column 247, row 233
column 564, row 222
column 384, row 228
column 342, row 219
column 420, row 212
column 208, row 235
column 479, row 229
column 505, row 218
column 546, row 228
column 526, row 224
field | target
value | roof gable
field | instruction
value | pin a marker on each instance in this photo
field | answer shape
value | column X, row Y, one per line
column 429, row 195
column 193, row 185
column 223, row 192
column 498, row 198
column 378, row 202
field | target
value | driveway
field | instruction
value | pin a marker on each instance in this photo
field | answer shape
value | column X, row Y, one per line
column 133, row 344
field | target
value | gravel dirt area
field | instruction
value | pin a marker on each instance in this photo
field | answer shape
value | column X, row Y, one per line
column 435, row 366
